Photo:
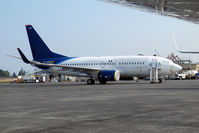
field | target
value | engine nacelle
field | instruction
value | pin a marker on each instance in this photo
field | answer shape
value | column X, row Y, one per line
column 108, row 75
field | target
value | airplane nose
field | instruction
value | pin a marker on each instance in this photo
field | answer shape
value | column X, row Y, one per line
column 177, row 68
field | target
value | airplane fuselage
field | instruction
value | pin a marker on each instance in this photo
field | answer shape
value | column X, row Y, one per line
column 128, row 66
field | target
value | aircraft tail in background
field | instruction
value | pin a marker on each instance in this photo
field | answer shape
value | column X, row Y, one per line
column 185, row 52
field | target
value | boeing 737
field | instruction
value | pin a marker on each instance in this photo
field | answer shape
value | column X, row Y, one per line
column 101, row 68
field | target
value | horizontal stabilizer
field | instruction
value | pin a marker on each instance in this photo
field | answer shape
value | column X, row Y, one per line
column 23, row 56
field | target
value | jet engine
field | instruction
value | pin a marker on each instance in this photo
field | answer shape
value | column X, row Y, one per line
column 108, row 75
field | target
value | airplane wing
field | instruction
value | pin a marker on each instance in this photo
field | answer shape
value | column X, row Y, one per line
column 68, row 68
column 182, row 9
column 88, row 71
column 189, row 52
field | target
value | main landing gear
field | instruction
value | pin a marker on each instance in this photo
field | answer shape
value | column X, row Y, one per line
column 90, row 81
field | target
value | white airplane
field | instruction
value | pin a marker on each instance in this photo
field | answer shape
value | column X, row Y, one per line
column 101, row 68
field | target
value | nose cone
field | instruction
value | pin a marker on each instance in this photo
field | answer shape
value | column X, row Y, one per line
column 177, row 68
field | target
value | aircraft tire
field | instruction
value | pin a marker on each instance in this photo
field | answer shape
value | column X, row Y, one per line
column 90, row 81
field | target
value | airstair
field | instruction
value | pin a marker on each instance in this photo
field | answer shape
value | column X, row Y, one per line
column 185, row 63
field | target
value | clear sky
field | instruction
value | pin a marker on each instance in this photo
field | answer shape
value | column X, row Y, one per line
column 89, row 28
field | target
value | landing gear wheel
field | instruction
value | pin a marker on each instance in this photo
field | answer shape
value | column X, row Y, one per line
column 160, row 81
column 90, row 81
column 103, row 82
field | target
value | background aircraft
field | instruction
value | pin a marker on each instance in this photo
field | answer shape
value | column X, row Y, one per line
column 181, row 51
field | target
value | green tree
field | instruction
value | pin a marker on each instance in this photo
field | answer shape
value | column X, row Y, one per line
column 21, row 72
column 14, row 75
column 4, row 74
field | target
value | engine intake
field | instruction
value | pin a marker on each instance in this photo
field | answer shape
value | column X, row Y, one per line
column 108, row 75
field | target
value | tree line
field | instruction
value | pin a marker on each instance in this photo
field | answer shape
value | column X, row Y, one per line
column 6, row 74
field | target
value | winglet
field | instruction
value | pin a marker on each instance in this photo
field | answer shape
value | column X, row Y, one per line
column 23, row 56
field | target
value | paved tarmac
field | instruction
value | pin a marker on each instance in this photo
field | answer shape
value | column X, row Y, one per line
column 123, row 107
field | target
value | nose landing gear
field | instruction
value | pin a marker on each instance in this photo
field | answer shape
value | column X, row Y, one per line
column 160, row 80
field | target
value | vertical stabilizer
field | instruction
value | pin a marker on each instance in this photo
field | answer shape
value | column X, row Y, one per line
column 38, row 47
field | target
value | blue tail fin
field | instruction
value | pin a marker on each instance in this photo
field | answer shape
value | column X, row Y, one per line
column 40, row 51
